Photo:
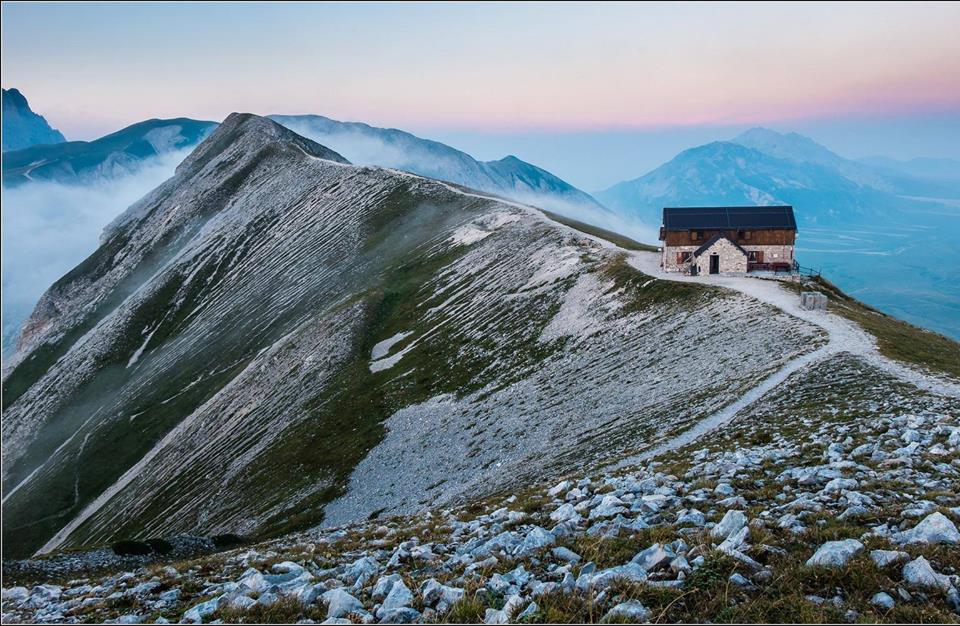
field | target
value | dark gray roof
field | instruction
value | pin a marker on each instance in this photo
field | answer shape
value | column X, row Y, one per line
column 709, row 242
column 729, row 217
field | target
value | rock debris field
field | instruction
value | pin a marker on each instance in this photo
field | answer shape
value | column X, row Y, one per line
column 830, row 499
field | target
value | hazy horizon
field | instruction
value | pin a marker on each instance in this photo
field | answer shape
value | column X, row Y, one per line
column 596, row 160
column 594, row 93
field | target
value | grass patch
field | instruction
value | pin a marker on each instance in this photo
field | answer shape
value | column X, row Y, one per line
column 643, row 291
column 612, row 551
column 470, row 609
column 712, row 575
column 286, row 610
column 566, row 608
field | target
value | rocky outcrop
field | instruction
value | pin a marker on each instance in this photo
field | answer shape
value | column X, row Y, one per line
column 22, row 127
column 835, row 553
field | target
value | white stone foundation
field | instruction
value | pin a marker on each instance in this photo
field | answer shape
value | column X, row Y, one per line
column 771, row 254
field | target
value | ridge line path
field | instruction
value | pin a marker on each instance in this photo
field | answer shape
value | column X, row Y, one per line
column 844, row 336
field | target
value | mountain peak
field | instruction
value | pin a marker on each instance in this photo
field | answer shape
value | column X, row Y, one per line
column 801, row 149
column 792, row 146
column 759, row 132
column 761, row 136
column 257, row 132
column 249, row 124
column 22, row 127
column 13, row 97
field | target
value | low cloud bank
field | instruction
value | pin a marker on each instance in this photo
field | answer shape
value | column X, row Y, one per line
column 49, row 228
column 365, row 147
column 608, row 220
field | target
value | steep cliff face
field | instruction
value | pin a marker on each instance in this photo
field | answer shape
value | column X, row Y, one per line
column 275, row 337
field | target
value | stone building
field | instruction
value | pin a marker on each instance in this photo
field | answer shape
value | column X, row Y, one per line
column 728, row 240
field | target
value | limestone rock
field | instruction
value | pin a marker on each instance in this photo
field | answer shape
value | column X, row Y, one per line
column 340, row 603
column 935, row 528
column 920, row 574
column 631, row 610
column 884, row 558
column 835, row 553
column 732, row 522
column 883, row 600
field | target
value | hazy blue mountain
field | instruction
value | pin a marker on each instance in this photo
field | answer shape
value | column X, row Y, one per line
column 389, row 147
column 117, row 154
column 730, row 173
column 924, row 177
column 22, row 127
column 935, row 178
column 800, row 149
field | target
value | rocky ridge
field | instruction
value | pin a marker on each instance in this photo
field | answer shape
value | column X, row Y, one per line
column 272, row 307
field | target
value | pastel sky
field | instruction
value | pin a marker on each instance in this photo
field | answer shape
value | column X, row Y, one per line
column 463, row 70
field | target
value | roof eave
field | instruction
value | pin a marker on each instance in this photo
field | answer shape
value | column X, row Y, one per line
column 676, row 229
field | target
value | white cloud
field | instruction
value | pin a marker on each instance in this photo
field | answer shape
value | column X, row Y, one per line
column 49, row 228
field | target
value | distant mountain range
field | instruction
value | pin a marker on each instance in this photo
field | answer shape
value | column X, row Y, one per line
column 761, row 166
column 22, row 127
column 124, row 152
column 117, row 154
column 388, row 147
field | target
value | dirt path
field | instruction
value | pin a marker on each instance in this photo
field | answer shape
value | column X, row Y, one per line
column 845, row 336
